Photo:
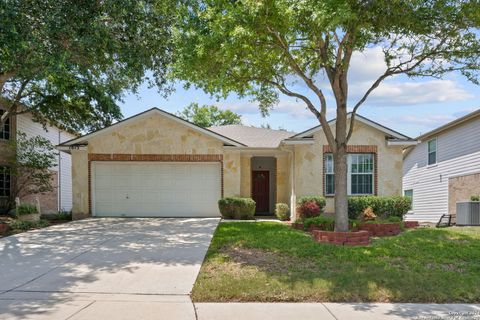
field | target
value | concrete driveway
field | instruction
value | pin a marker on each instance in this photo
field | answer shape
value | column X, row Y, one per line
column 103, row 269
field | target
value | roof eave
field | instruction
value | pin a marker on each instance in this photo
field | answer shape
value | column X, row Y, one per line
column 405, row 143
column 360, row 118
column 208, row 132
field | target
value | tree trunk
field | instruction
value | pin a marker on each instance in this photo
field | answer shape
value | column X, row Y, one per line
column 340, row 168
column 341, row 203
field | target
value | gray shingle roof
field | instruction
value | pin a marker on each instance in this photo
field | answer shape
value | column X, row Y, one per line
column 253, row 137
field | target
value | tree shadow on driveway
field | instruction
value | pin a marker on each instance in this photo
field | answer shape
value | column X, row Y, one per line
column 105, row 256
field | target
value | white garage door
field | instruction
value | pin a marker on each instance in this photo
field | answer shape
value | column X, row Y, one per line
column 155, row 189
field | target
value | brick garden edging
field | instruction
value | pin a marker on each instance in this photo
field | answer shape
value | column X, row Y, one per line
column 411, row 224
column 381, row 229
column 355, row 238
column 3, row 227
column 298, row 226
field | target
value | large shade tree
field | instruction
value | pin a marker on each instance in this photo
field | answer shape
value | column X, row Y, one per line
column 71, row 61
column 209, row 115
column 263, row 48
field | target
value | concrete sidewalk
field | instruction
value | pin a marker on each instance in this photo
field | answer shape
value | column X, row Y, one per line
column 82, row 306
column 339, row 311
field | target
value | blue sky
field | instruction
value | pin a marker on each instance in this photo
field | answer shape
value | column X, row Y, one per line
column 410, row 106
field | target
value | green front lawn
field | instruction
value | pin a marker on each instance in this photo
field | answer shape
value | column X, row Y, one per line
column 268, row 261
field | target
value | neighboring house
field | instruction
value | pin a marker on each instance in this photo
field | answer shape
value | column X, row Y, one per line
column 443, row 168
column 156, row 164
column 61, row 197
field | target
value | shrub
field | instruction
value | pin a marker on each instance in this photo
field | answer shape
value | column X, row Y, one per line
column 237, row 208
column 310, row 206
column 282, row 211
column 383, row 207
column 391, row 219
column 27, row 225
column 475, row 198
column 64, row 215
column 26, row 208
column 324, row 223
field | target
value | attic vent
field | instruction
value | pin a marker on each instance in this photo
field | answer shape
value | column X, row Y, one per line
column 468, row 213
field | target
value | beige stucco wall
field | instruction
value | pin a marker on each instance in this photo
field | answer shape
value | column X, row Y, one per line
column 231, row 173
column 309, row 163
column 80, row 183
column 246, row 175
column 461, row 189
column 283, row 179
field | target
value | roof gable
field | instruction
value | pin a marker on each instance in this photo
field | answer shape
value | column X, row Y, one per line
column 83, row 139
column 391, row 133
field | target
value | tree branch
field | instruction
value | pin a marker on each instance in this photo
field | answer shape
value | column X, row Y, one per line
column 309, row 82
column 321, row 117
column 13, row 106
column 4, row 77
column 398, row 69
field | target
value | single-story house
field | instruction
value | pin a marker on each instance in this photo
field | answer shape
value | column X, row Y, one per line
column 156, row 164
column 443, row 169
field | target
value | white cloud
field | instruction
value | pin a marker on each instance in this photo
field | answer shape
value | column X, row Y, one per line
column 296, row 109
column 367, row 66
column 431, row 121
column 396, row 93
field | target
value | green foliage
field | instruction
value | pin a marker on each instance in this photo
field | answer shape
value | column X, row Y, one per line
column 304, row 50
column 475, row 198
column 26, row 208
column 237, row 208
column 383, row 207
column 30, row 161
column 425, row 265
column 71, row 61
column 282, row 211
column 322, row 222
column 27, row 225
column 320, row 201
column 64, row 215
column 305, row 208
column 391, row 219
column 257, row 48
column 208, row 116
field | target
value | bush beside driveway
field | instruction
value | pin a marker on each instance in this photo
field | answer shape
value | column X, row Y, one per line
column 271, row 262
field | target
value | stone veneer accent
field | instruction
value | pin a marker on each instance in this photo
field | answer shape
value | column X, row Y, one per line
column 461, row 188
column 150, row 157
column 355, row 149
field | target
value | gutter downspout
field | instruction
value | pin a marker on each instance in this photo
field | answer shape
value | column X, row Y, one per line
column 293, row 197
column 59, row 176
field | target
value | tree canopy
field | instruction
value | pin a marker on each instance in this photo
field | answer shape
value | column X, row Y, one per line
column 208, row 116
column 261, row 49
column 71, row 61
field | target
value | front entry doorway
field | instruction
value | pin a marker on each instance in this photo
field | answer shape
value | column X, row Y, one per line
column 261, row 190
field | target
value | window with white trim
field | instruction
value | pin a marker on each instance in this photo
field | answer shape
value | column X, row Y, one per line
column 5, row 182
column 432, row 151
column 360, row 175
column 408, row 193
column 5, row 129
column 329, row 177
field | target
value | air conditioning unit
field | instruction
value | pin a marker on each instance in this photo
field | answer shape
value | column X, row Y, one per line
column 468, row 213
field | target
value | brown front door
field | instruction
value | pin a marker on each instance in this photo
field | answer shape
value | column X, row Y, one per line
column 260, row 190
